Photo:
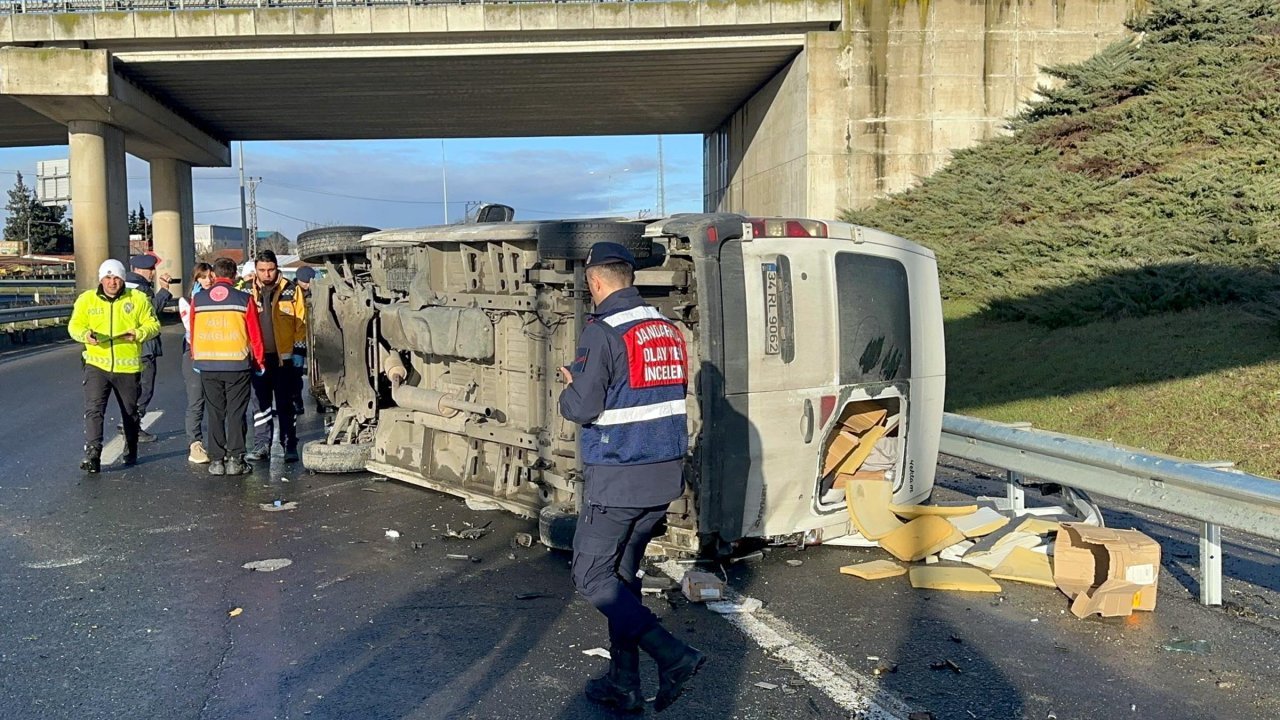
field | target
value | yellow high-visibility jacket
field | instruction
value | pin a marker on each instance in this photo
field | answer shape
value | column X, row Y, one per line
column 109, row 319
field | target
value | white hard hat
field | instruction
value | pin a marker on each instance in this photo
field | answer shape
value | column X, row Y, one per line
column 247, row 268
column 111, row 268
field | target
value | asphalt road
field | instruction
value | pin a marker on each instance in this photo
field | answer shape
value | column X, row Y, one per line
column 119, row 589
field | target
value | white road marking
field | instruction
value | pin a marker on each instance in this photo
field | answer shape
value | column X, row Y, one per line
column 114, row 449
column 51, row 564
column 848, row 688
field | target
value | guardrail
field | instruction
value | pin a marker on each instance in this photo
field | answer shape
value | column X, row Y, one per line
column 29, row 282
column 1209, row 492
column 17, row 7
column 39, row 312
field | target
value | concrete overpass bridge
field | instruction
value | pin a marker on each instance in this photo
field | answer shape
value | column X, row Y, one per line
column 806, row 106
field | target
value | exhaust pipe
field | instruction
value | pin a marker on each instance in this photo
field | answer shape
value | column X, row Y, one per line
column 422, row 399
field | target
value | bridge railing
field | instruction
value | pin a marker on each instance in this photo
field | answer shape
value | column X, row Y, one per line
column 1212, row 493
column 35, row 312
column 17, row 7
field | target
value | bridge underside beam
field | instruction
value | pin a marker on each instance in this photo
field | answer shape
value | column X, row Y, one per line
column 68, row 85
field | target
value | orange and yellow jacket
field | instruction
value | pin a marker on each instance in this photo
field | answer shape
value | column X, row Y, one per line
column 288, row 317
column 224, row 330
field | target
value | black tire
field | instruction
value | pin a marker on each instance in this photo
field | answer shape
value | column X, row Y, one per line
column 345, row 458
column 572, row 240
column 316, row 245
column 556, row 525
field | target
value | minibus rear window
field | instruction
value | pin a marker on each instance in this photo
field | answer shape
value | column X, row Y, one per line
column 874, row 311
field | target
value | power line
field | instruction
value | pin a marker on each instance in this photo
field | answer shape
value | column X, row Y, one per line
column 354, row 197
column 277, row 212
column 201, row 212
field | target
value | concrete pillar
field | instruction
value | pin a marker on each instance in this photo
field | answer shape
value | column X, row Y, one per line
column 99, row 197
column 173, row 219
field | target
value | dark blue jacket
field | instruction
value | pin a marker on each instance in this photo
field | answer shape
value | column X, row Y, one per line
column 159, row 299
column 628, row 394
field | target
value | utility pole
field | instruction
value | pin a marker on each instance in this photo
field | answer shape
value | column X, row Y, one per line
column 662, row 183
column 244, row 223
column 444, row 182
column 253, row 216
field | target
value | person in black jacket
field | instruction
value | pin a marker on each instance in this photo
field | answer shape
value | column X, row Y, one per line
column 626, row 388
column 141, row 276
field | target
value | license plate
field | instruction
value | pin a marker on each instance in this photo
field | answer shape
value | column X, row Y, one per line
column 772, row 325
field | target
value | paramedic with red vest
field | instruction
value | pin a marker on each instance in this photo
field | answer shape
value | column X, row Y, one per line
column 626, row 388
column 226, row 346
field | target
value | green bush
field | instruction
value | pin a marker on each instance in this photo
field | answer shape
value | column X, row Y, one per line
column 1148, row 181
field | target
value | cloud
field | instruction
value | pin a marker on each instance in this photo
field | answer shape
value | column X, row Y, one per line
column 400, row 184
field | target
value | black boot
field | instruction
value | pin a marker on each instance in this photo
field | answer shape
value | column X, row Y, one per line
column 130, row 456
column 677, row 663
column 92, row 461
column 620, row 687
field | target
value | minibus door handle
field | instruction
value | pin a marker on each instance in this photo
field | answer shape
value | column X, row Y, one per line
column 806, row 421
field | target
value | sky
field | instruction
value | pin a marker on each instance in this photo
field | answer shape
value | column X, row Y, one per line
column 399, row 183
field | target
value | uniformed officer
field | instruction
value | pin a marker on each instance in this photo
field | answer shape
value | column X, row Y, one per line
column 626, row 388
column 113, row 322
column 142, row 274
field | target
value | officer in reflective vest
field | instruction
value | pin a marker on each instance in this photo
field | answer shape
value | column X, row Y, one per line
column 626, row 388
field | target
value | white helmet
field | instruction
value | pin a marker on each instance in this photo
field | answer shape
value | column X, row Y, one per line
column 111, row 268
column 247, row 269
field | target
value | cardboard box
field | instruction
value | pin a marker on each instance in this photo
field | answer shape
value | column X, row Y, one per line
column 701, row 587
column 841, row 447
column 862, row 415
column 1107, row 571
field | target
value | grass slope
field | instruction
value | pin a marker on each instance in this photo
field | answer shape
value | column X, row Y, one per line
column 1109, row 269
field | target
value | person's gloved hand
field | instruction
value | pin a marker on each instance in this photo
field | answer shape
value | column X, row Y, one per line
column 298, row 361
column 259, row 372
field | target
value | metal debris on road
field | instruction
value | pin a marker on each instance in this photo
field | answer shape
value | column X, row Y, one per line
column 757, row 555
column 945, row 665
column 766, row 686
column 277, row 506
column 524, row 539
column 1195, row 647
column 458, row 556
column 532, row 595
column 267, row 565
column 471, row 533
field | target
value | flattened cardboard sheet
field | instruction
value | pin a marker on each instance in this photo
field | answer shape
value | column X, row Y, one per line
column 983, row 522
column 874, row 570
column 1026, row 566
column 937, row 577
column 868, row 505
column 920, row 537
column 912, row 512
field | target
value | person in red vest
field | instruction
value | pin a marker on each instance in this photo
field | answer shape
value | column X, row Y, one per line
column 226, row 349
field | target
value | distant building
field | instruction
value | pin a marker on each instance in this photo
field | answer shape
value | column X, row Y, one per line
column 214, row 238
column 273, row 239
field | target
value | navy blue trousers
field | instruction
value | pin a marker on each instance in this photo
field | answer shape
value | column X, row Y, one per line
column 608, row 547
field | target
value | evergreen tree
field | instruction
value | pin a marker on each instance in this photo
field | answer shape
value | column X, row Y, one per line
column 40, row 228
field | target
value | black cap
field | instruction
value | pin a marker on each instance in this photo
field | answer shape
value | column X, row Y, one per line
column 603, row 253
column 305, row 274
column 143, row 262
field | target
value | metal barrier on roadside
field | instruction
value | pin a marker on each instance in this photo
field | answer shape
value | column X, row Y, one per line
column 34, row 313
column 18, row 7
column 1212, row 493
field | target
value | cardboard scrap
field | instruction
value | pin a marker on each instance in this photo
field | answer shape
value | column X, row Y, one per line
column 1026, row 566
column 859, row 417
column 1038, row 526
column 702, row 586
column 952, row 578
column 1115, row 571
column 983, row 522
column 868, row 504
column 987, row 555
column 911, row 512
column 841, row 446
column 874, row 570
column 957, row 551
column 860, row 453
column 923, row 536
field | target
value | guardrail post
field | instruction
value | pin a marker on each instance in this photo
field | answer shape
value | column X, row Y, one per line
column 1211, row 564
column 1017, row 496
